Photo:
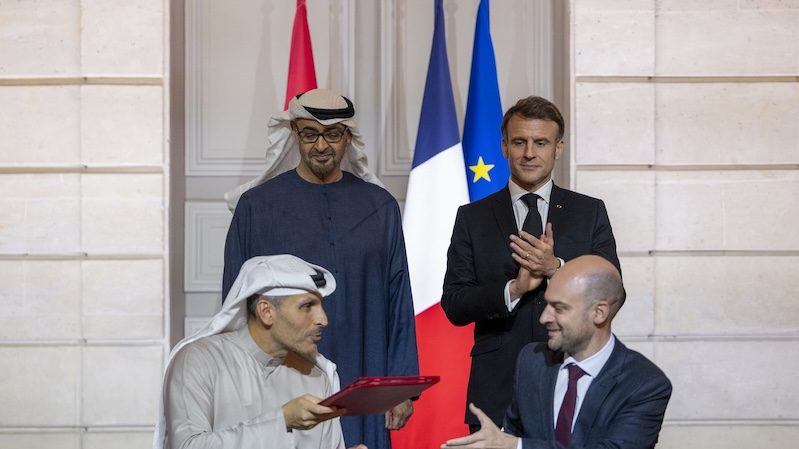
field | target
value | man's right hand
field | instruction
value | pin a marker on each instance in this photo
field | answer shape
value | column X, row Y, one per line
column 525, row 279
column 537, row 254
column 304, row 412
column 489, row 436
column 524, row 282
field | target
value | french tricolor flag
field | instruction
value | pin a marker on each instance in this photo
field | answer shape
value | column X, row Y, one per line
column 436, row 188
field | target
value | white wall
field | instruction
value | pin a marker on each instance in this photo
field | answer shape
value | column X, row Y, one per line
column 83, row 241
column 686, row 122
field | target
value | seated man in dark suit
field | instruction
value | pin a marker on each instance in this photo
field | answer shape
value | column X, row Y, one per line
column 583, row 388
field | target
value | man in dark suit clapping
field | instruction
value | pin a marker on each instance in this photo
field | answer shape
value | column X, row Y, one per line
column 505, row 247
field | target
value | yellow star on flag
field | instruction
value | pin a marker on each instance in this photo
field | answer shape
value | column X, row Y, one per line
column 481, row 170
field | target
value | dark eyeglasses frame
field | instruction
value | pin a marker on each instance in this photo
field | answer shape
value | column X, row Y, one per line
column 310, row 137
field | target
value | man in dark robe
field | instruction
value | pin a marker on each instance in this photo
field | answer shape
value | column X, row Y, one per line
column 330, row 217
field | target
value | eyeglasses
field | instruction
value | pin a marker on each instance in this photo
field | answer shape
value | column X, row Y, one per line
column 333, row 135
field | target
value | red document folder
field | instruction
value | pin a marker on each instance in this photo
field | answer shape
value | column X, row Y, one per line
column 375, row 395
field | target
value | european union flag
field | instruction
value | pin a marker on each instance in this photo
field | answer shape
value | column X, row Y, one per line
column 486, row 167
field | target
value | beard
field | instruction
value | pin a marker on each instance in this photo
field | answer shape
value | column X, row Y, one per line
column 301, row 361
column 319, row 169
column 308, row 355
column 569, row 342
column 297, row 339
column 303, row 348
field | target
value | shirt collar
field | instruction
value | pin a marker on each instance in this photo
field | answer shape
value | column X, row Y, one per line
column 594, row 364
column 516, row 192
column 245, row 340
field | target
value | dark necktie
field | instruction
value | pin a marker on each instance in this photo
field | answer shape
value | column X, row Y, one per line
column 532, row 223
column 563, row 428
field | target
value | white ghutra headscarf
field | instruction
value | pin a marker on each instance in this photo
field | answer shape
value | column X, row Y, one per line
column 326, row 107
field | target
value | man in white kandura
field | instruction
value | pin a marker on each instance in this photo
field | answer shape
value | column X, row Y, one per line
column 253, row 378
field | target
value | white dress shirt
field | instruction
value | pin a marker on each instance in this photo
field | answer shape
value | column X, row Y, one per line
column 591, row 366
column 520, row 210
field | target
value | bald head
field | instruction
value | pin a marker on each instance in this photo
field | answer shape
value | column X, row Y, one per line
column 582, row 298
column 592, row 278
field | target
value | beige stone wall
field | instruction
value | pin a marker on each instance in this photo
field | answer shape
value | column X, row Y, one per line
column 685, row 119
column 83, row 229
column 686, row 122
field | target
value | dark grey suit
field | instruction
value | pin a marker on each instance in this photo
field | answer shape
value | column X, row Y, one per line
column 623, row 408
column 479, row 264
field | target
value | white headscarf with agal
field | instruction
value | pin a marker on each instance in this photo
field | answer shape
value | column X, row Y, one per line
column 326, row 107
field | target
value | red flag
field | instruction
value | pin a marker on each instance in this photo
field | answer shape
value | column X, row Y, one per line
column 302, row 75
column 438, row 414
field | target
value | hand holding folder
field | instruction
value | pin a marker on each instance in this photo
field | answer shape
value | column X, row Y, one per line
column 375, row 395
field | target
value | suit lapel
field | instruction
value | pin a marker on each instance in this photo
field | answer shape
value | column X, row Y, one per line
column 597, row 392
column 503, row 213
column 554, row 360
column 556, row 208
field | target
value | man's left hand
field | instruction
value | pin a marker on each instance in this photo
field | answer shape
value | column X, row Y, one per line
column 489, row 435
column 398, row 416
column 538, row 253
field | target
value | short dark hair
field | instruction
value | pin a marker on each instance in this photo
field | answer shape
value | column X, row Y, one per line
column 531, row 108
column 253, row 300
column 606, row 285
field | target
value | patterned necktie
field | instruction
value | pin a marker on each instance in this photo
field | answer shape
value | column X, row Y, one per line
column 532, row 223
column 563, row 428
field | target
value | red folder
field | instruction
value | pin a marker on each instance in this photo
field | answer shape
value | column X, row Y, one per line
column 375, row 395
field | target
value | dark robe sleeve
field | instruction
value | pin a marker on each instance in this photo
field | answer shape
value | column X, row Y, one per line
column 236, row 245
column 403, row 359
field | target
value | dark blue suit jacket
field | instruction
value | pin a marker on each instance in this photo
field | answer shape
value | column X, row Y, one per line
column 623, row 408
column 479, row 264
